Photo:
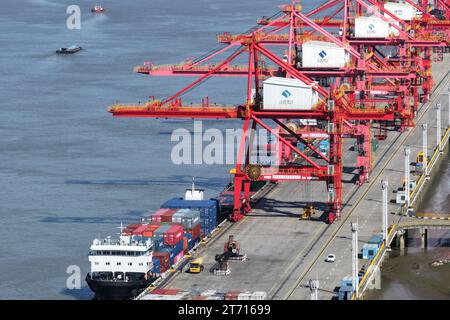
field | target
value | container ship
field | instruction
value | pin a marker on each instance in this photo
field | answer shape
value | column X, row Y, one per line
column 123, row 268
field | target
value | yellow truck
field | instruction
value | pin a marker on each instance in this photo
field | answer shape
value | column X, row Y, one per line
column 196, row 266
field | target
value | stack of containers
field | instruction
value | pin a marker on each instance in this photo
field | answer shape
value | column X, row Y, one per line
column 140, row 230
column 162, row 214
column 156, row 266
column 161, row 259
column 149, row 231
column 158, row 237
column 175, row 252
column 208, row 210
column 166, row 217
column 128, row 231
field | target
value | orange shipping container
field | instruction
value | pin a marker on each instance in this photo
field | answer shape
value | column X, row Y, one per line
column 185, row 245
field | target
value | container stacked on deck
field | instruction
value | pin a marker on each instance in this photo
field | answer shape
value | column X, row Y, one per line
column 208, row 212
column 174, row 231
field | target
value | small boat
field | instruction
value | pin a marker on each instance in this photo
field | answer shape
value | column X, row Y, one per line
column 69, row 50
column 98, row 9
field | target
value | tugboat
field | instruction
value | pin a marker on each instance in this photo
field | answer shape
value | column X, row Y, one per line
column 120, row 269
column 69, row 50
column 98, row 9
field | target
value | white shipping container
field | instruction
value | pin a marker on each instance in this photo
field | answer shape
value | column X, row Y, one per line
column 403, row 11
column 244, row 296
column 288, row 94
column 258, row 295
column 371, row 27
column 321, row 54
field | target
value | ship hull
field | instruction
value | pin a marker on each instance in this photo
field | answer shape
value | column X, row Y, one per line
column 113, row 290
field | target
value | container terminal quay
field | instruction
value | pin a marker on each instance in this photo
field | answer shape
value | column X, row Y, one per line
column 357, row 95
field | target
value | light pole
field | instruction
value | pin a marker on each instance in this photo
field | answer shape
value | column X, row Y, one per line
column 425, row 148
column 407, row 162
column 384, row 187
column 449, row 106
column 354, row 227
column 438, row 126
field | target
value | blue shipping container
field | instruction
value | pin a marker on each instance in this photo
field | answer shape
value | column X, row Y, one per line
column 173, row 251
column 160, row 231
column 209, row 211
column 157, row 242
column 156, row 266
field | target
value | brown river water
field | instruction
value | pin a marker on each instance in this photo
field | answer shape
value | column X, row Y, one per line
column 411, row 276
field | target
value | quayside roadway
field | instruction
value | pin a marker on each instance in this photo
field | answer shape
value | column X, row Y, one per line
column 284, row 252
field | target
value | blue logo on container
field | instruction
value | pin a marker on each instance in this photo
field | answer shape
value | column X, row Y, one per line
column 371, row 27
column 286, row 94
column 322, row 54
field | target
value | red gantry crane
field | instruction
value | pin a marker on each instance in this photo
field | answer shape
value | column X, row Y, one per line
column 365, row 63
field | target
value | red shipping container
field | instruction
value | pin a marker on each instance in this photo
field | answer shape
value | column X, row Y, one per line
column 138, row 231
column 133, row 226
column 150, row 230
column 167, row 216
column 172, row 292
column 173, row 235
column 195, row 232
column 185, row 245
column 157, row 216
column 158, row 291
column 232, row 295
column 164, row 260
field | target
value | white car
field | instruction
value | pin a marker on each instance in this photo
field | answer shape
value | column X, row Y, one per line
column 330, row 258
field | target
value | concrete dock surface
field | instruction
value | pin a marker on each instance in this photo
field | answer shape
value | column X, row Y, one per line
column 284, row 252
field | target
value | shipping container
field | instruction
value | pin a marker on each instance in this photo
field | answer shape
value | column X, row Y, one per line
column 158, row 214
column 139, row 230
column 371, row 27
column 258, row 295
column 403, row 11
column 190, row 219
column 173, row 251
column 177, row 216
column 209, row 211
column 185, row 244
column 164, row 260
column 232, row 295
column 173, row 235
column 208, row 293
column 288, row 94
column 167, row 216
column 156, row 266
column 195, row 232
column 178, row 257
column 244, row 296
column 158, row 242
column 149, row 231
column 321, row 54
column 161, row 230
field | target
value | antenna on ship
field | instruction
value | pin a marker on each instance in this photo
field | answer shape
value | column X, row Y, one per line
column 193, row 194
column 121, row 228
